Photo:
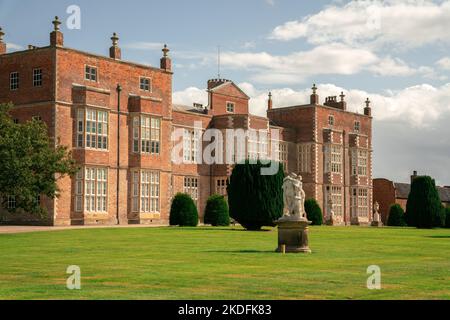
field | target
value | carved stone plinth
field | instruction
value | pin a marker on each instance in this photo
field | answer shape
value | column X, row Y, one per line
column 376, row 224
column 293, row 233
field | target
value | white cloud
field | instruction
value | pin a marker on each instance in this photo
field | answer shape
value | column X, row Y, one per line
column 332, row 58
column 189, row 96
column 142, row 45
column 13, row 47
column 373, row 24
column 270, row 2
column 444, row 63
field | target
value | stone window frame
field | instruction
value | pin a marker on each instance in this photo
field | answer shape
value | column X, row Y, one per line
column 230, row 106
column 14, row 81
column 257, row 144
column 146, row 191
column 98, row 129
column 95, row 190
column 280, row 151
column 146, row 134
column 336, row 194
column 360, row 161
column 11, row 202
column 147, row 87
column 191, row 145
column 357, row 126
column 334, row 158
column 191, row 186
column 331, row 120
column 37, row 77
column 221, row 186
column 304, row 157
column 89, row 75
column 360, row 202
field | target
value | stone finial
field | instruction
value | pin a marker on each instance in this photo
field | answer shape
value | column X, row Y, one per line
column 368, row 103
column 270, row 102
column 115, row 39
column 1, row 34
column 56, row 24
column 342, row 96
column 165, row 51
column 314, row 89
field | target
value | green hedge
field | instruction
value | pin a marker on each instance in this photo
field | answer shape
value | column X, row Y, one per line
column 216, row 211
column 396, row 216
column 183, row 211
column 447, row 217
column 255, row 200
column 313, row 212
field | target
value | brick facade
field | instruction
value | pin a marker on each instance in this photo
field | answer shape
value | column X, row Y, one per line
column 100, row 107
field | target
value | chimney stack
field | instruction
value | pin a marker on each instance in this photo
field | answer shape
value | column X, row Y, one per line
column 343, row 103
column 270, row 102
column 166, row 62
column 413, row 176
column 2, row 44
column 368, row 109
column 56, row 37
column 114, row 51
column 314, row 96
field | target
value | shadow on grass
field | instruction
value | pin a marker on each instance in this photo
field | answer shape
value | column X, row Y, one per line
column 438, row 237
column 207, row 228
column 242, row 251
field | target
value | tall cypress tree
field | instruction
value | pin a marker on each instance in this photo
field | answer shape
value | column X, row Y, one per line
column 423, row 209
column 255, row 200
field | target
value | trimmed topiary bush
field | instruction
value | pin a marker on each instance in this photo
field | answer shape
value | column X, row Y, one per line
column 255, row 200
column 216, row 211
column 396, row 216
column 423, row 209
column 183, row 211
column 447, row 217
column 313, row 212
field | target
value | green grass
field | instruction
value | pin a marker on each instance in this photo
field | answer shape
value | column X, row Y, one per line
column 207, row 263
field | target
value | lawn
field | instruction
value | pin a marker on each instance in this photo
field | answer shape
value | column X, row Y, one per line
column 224, row 263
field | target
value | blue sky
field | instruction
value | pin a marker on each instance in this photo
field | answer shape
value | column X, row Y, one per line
column 395, row 52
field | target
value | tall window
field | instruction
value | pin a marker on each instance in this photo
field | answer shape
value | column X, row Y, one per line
column 281, row 154
column 191, row 144
column 145, row 191
column 221, row 187
column 145, row 84
column 357, row 126
column 333, row 158
column 90, row 73
column 191, row 187
column 11, row 202
column 37, row 77
column 331, row 120
column 93, row 135
column 257, row 145
column 14, row 81
column 304, row 158
column 230, row 107
column 95, row 189
column 79, row 191
column 146, row 134
column 359, row 162
column 336, row 197
column 360, row 202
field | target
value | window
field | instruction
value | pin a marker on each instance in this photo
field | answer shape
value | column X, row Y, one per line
column 230, row 107
column 145, row 84
column 257, row 145
column 357, row 126
column 191, row 187
column 304, row 158
column 145, row 192
column 221, row 187
column 37, row 77
column 336, row 197
column 90, row 73
column 191, row 143
column 11, row 202
column 331, row 120
column 16, row 121
column 96, row 189
column 79, row 191
column 359, row 162
column 333, row 161
column 360, row 202
column 280, row 150
column 14, row 81
column 95, row 134
column 146, row 134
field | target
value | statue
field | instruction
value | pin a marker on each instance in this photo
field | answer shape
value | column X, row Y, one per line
column 293, row 226
column 331, row 217
column 376, row 215
column 294, row 197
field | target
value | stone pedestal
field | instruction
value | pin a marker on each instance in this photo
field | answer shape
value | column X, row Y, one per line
column 293, row 233
column 376, row 224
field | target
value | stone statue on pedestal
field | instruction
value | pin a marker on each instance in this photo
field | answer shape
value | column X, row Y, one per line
column 376, row 222
column 293, row 225
column 331, row 217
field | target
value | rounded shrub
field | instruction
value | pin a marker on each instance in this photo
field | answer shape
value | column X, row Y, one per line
column 255, row 197
column 447, row 217
column 216, row 211
column 423, row 209
column 396, row 216
column 313, row 212
column 183, row 211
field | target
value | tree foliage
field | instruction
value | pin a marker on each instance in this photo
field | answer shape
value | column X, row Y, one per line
column 255, row 200
column 30, row 164
column 313, row 212
column 183, row 211
column 216, row 211
column 423, row 209
column 447, row 217
column 396, row 216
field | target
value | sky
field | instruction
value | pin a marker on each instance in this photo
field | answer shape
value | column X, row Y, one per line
column 394, row 52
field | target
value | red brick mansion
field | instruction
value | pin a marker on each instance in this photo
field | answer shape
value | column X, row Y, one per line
column 118, row 119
